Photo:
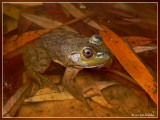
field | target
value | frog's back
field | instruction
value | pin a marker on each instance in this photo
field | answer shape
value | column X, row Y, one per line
column 59, row 35
column 59, row 43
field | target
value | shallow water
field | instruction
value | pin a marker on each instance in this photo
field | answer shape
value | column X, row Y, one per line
column 124, row 19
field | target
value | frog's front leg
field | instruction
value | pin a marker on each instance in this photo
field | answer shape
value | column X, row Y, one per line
column 70, row 85
column 37, row 61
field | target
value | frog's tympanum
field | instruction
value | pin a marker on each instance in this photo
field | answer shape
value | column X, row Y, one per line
column 69, row 49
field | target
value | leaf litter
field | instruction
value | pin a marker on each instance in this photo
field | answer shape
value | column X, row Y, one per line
column 136, row 42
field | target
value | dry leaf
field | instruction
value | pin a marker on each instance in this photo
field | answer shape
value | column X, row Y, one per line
column 127, row 81
column 11, row 10
column 102, row 101
column 130, row 62
column 47, row 94
column 134, row 41
column 11, row 44
column 139, row 49
column 9, row 25
column 58, row 14
column 77, row 13
column 23, row 25
column 42, row 21
column 50, row 96
column 15, row 101
column 94, row 91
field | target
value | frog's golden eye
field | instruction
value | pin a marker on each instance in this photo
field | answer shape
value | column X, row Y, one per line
column 87, row 52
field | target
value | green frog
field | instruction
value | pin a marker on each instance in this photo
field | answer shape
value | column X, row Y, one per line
column 69, row 49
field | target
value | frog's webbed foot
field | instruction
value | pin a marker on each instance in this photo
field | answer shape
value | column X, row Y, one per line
column 37, row 61
column 69, row 84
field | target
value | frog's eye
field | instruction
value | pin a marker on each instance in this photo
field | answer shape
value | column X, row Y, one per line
column 87, row 52
column 96, row 39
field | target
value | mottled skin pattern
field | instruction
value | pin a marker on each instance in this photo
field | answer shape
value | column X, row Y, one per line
column 57, row 46
column 60, row 44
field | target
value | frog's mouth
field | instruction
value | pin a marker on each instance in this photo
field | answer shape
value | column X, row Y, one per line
column 108, row 63
column 96, row 66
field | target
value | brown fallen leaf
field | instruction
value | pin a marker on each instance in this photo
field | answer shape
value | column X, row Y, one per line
column 52, row 24
column 9, row 24
column 23, row 25
column 16, row 106
column 42, row 21
column 139, row 49
column 58, row 14
column 50, row 96
column 16, row 100
column 12, row 44
column 130, row 62
column 74, row 11
column 11, row 10
column 134, row 41
column 102, row 101
column 127, row 81
column 94, row 91
column 47, row 94
column 120, row 74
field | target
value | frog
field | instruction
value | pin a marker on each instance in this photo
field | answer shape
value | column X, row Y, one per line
column 69, row 49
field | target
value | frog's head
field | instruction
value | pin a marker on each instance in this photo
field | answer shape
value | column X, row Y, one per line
column 91, row 54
